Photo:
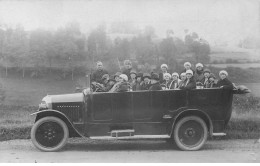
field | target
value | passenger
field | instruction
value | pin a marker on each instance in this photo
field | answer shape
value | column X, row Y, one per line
column 132, row 80
column 139, row 79
column 122, row 85
column 164, row 69
column 187, row 66
column 116, row 77
column 175, row 81
column 183, row 80
column 127, row 68
column 209, row 80
column 224, row 82
column 190, row 81
column 167, row 81
column 98, row 73
column 147, row 82
column 155, row 84
column 199, row 72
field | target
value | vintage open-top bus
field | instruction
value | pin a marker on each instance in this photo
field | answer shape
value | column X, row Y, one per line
column 184, row 117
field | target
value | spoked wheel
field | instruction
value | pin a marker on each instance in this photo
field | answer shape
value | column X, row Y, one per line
column 49, row 134
column 190, row 133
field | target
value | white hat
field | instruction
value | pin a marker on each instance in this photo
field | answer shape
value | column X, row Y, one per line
column 124, row 77
column 223, row 72
column 187, row 63
column 199, row 64
column 164, row 65
column 183, row 74
column 189, row 71
column 167, row 74
column 175, row 74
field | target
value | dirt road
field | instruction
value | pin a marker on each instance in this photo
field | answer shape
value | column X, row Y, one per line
column 101, row 151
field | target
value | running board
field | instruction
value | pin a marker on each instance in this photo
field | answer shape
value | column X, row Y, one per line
column 219, row 134
column 132, row 137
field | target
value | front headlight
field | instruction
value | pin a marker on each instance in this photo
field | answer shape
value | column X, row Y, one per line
column 46, row 103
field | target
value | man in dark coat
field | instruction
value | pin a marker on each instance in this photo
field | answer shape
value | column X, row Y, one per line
column 155, row 84
column 98, row 73
column 224, row 82
column 199, row 72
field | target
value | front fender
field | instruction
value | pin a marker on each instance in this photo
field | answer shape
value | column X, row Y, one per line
column 72, row 130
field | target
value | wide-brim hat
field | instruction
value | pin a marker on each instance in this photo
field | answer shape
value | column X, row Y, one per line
column 206, row 71
column 147, row 75
column 133, row 72
column 139, row 75
column 124, row 77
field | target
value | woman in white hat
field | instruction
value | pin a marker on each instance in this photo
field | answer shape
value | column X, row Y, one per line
column 164, row 69
column 199, row 72
column 187, row 66
column 167, row 81
column 175, row 81
column 122, row 85
column 224, row 82
column 190, row 81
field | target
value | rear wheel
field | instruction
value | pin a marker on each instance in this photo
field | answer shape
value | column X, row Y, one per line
column 49, row 134
column 190, row 133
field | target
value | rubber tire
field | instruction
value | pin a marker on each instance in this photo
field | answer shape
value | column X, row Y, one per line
column 53, row 119
column 179, row 124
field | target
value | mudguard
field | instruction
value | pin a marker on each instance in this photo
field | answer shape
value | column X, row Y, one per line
column 72, row 130
column 181, row 112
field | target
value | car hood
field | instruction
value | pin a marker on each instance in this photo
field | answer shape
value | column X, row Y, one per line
column 65, row 98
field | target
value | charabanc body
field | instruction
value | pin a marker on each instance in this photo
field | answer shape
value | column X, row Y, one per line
column 185, row 117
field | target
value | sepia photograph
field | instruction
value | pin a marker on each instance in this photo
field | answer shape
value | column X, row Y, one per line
column 129, row 81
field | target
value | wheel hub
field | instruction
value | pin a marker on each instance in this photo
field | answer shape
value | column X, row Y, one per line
column 190, row 132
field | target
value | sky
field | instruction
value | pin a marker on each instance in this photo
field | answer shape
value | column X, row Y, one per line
column 214, row 20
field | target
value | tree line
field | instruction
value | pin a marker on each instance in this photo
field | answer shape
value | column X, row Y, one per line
column 68, row 51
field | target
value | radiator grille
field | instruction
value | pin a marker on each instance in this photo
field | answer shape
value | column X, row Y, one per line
column 72, row 110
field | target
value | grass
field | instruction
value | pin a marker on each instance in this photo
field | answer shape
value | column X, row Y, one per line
column 16, row 122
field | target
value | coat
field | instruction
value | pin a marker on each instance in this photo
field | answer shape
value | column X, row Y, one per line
column 225, row 83
column 198, row 76
column 145, row 86
column 189, row 84
column 127, row 72
column 155, row 87
column 97, row 75
column 174, row 84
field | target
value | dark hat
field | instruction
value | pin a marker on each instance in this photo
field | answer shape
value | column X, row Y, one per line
column 139, row 75
column 155, row 76
column 147, row 75
column 206, row 71
column 133, row 72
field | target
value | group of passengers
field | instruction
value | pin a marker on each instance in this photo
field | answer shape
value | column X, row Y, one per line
column 130, row 80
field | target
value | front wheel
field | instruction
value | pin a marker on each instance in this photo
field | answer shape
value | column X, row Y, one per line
column 49, row 134
column 190, row 133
